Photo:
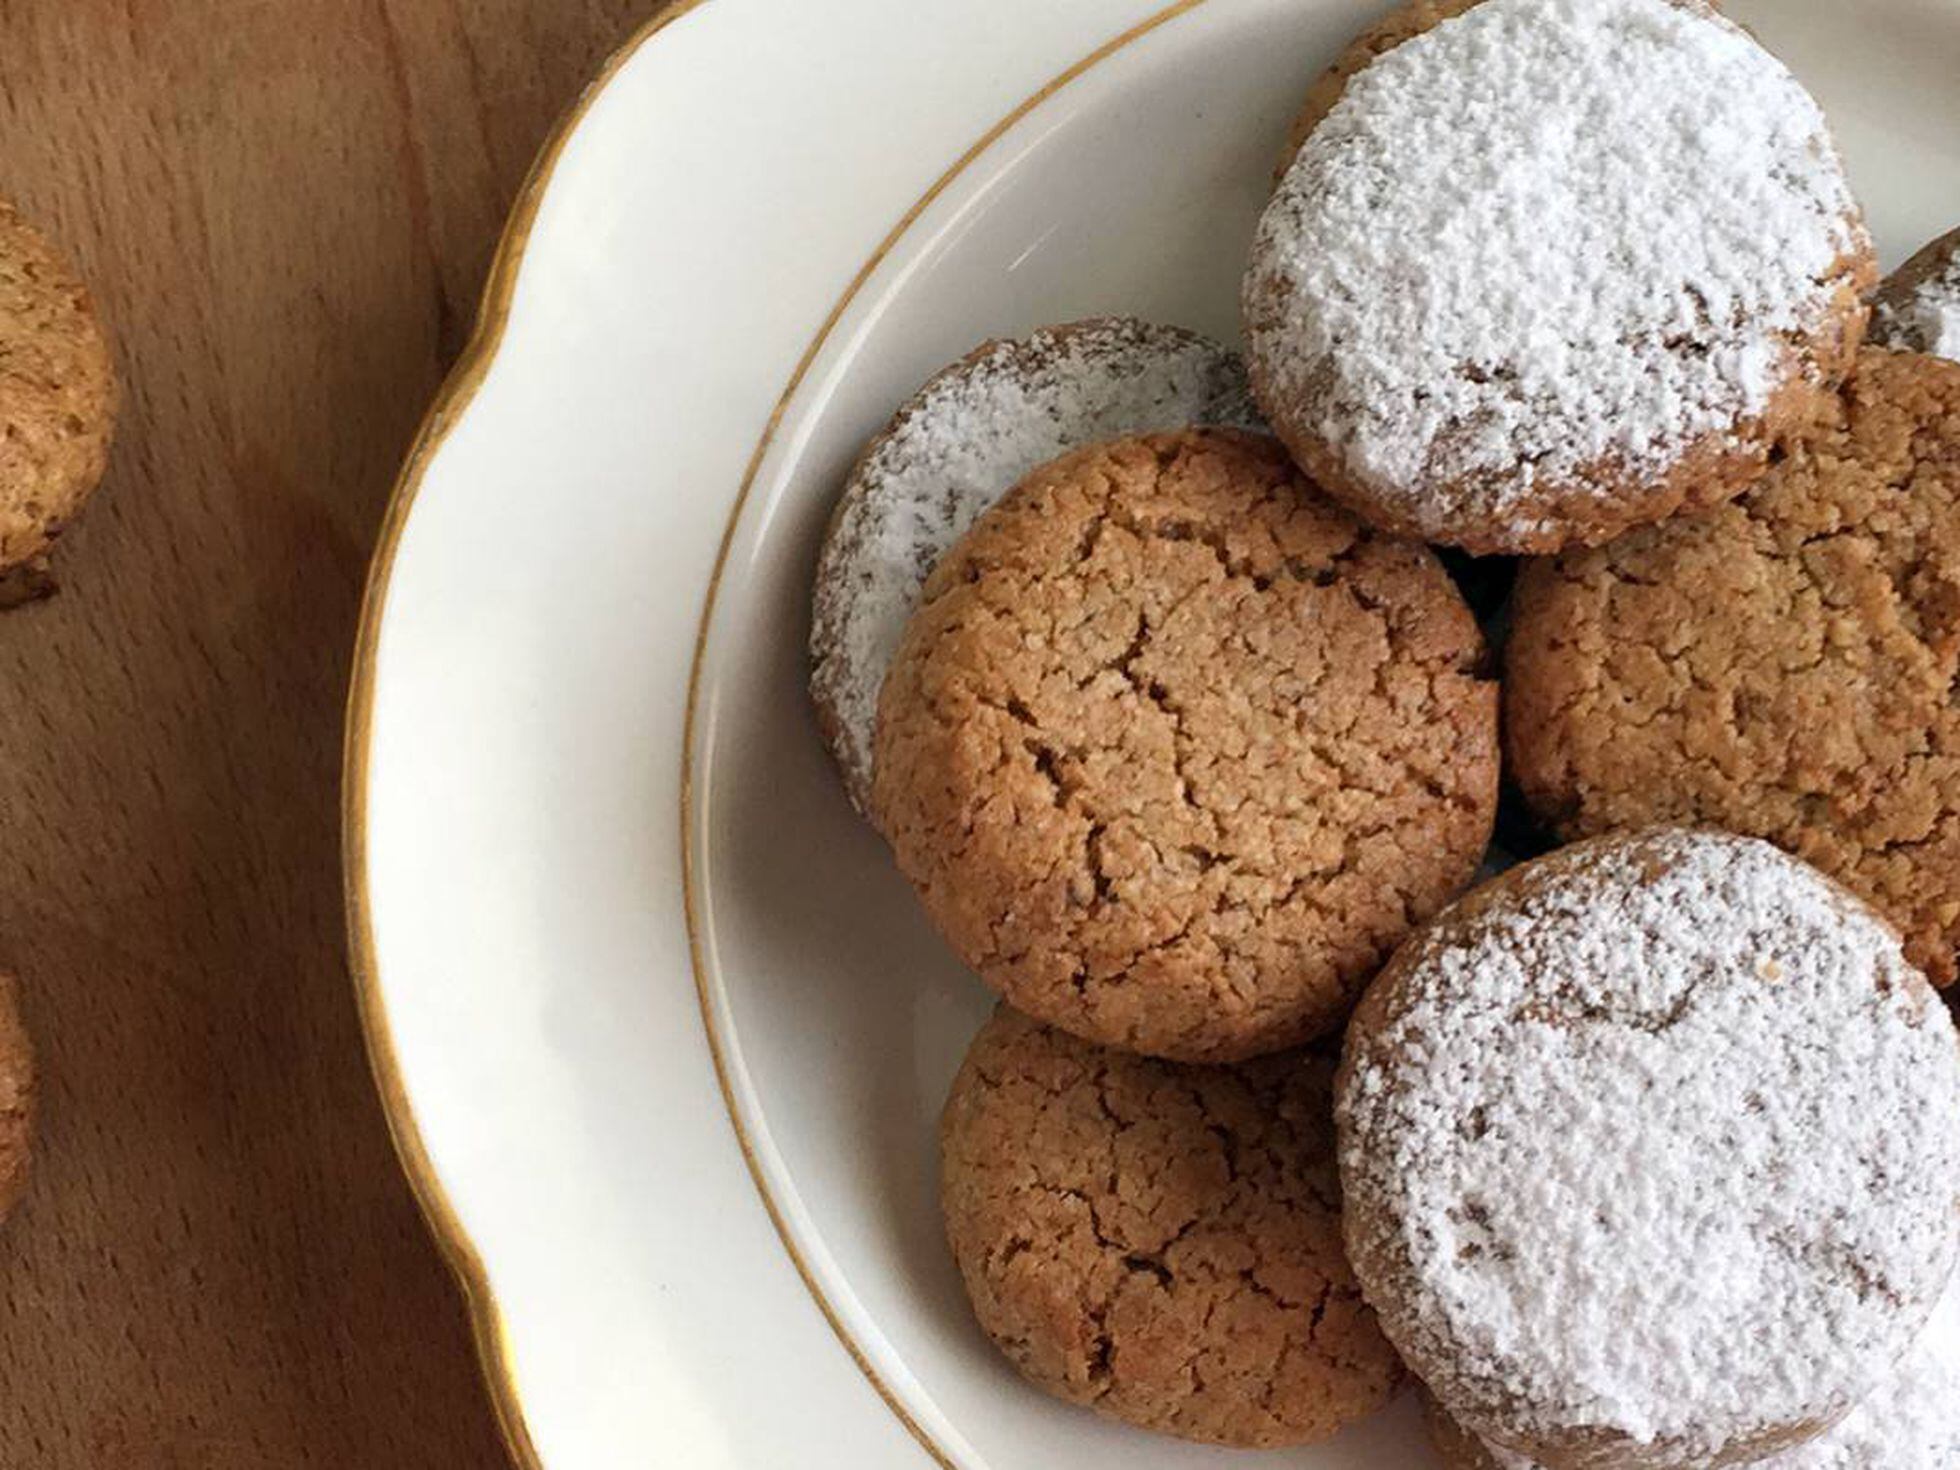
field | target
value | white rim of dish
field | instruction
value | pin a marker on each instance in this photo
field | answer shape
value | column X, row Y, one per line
column 451, row 402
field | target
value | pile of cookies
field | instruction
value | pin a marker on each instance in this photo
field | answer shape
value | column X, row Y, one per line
column 1645, row 1153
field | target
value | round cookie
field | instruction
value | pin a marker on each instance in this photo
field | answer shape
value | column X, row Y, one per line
column 1911, row 1422
column 955, row 447
column 1783, row 666
column 1160, row 1242
column 1175, row 752
column 16, row 1097
column 1918, row 307
column 1648, row 1153
column 57, row 393
column 1473, row 310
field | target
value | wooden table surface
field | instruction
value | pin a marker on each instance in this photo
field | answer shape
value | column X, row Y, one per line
column 285, row 208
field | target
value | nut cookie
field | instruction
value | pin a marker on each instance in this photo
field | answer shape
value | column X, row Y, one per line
column 57, row 399
column 1648, row 1153
column 1160, row 1242
column 1545, row 272
column 1782, row 667
column 1175, row 751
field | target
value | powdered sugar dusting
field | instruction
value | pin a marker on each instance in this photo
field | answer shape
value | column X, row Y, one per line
column 1912, row 1421
column 1661, row 1145
column 1929, row 319
column 1548, row 243
column 969, row 436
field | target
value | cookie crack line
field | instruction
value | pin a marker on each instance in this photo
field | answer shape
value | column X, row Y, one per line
column 960, row 443
column 1785, row 667
column 1149, row 1186
column 1088, row 738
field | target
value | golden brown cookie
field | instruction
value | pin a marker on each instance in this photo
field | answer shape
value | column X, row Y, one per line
column 1160, row 1242
column 1175, row 752
column 16, row 1097
column 1784, row 666
column 1473, row 310
column 1918, row 307
column 1627, row 1133
column 57, row 393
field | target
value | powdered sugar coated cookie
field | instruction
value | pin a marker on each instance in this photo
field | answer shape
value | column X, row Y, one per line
column 1159, row 1242
column 1649, row 1153
column 1175, row 752
column 1554, row 268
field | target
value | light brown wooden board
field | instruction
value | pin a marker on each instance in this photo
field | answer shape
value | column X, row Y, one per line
column 285, row 208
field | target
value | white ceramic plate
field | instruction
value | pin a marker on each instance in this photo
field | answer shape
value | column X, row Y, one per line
column 579, row 723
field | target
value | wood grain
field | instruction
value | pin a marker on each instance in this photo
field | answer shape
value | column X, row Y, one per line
column 285, row 208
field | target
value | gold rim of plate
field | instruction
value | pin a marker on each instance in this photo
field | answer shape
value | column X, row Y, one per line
column 452, row 400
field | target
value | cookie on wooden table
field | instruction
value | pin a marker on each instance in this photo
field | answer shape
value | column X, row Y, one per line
column 1783, row 666
column 1911, row 1422
column 1648, row 1153
column 958, row 445
column 1175, row 751
column 1918, row 307
column 16, row 1096
column 1160, row 1242
column 1547, row 271
column 57, row 397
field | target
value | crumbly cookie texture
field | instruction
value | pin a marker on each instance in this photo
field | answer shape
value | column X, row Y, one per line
column 57, row 394
column 1160, row 1242
column 1648, row 1153
column 1918, row 307
column 958, row 445
column 1912, row 1421
column 16, row 1097
column 1475, row 313
column 1783, row 666
column 1175, row 751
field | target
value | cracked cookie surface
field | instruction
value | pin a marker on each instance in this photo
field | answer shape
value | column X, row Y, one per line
column 1176, row 751
column 1784, row 666
column 1629, row 1132
column 57, row 393
column 1158, row 1241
